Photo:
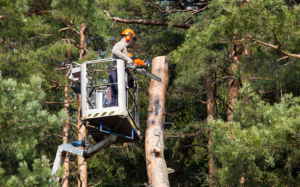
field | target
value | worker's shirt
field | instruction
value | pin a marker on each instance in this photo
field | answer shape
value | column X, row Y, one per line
column 119, row 51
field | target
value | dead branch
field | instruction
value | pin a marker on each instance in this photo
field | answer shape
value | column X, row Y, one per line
column 274, row 90
column 194, row 11
column 45, row 35
column 232, row 77
column 73, row 41
column 182, row 161
column 282, row 58
column 58, row 135
column 180, row 107
column 275, row 37
column 185, row 135
column 55, row 102
column 54, row 86
column 69, row 28
column 288, row 63
column 72, row 164
column 62, row 68
column 147, row 22
column 200, row 145
column 99, row 71
column 73, row 125
column 257, row 78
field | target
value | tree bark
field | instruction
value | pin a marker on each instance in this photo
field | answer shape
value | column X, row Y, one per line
column 83, row 40
column 82, row 162
column 66, row 128
column 248, row 52
column 210, row 106
column 233, row 83
column 154, row 140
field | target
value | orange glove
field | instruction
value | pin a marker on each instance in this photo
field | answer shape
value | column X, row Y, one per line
column 139, row 62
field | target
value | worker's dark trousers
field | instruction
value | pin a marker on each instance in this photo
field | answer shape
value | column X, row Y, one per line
column 113, row 78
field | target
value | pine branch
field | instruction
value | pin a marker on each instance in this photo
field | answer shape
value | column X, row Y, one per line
column 277, row 48
column 147, row 22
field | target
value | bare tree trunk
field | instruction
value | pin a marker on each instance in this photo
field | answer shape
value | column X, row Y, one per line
column 233, row 83
column 82, row 162
column 83, row 40
column 210, row 105
column 65, row 179
column 248, row 52
column 154, row 142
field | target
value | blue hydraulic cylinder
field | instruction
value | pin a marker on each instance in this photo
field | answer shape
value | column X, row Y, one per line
column 76, row 143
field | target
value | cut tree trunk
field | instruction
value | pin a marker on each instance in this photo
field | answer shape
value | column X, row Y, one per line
column 65, row 179
column 154, row 141
column 82, row 162
column 210, row 106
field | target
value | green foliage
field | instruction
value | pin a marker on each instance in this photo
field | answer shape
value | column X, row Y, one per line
column 39, row 176
column 23, row 123
column 260, row 139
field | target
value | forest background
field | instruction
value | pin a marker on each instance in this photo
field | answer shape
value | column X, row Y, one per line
column 232, row 99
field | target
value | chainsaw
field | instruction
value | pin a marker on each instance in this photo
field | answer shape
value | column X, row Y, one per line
column 142, row 67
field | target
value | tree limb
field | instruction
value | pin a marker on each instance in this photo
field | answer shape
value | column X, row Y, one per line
column 73, row 41
column 194, row 11
column 257, row 78
column 99, row 71
column 55, row 102
column 147, row 22
column 277, row 48
column 62, row 68
column 182, row 161
column 45, row 35
column 69, row 28
column 180, row 107
column 275, row 90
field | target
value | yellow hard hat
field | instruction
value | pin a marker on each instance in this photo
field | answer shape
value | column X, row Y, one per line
column 129, row 33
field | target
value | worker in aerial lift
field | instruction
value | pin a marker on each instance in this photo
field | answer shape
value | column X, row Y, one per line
column 119, row 51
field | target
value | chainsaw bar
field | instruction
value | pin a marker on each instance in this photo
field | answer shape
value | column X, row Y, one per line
column 145, row 72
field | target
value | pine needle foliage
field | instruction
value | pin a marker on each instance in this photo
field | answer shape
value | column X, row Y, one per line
column 24, row 123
